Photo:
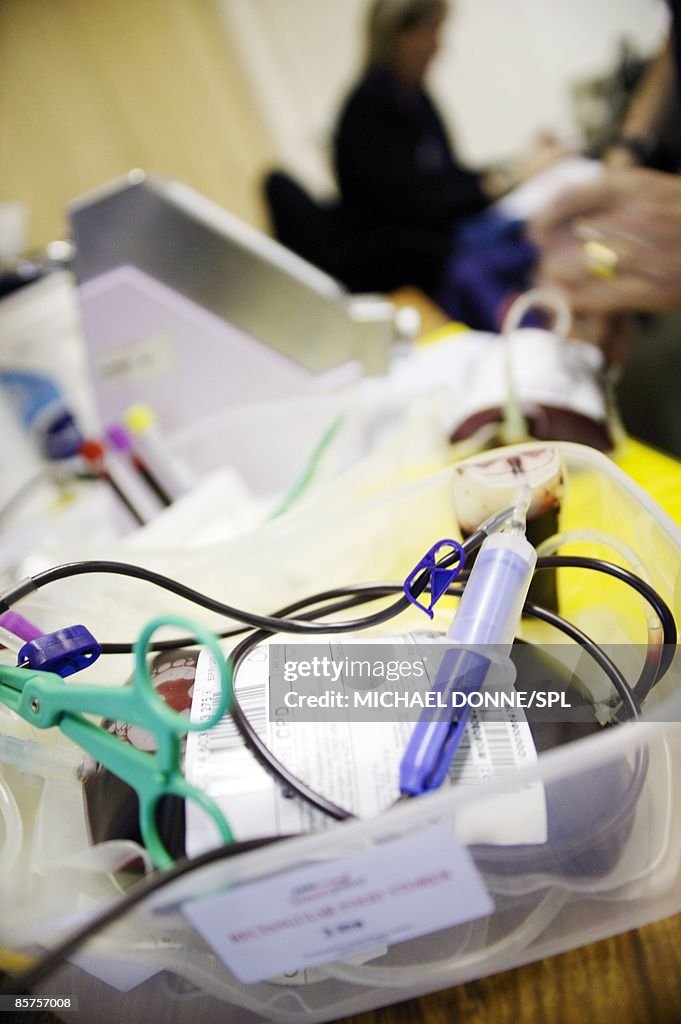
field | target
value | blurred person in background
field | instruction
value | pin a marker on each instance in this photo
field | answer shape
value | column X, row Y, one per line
column 402, row 187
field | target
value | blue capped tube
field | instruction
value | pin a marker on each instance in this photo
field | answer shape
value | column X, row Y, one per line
column 492, row 602
column 488, row 614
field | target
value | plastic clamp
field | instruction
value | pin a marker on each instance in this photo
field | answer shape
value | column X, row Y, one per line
column 63, row 652
column 440, row 578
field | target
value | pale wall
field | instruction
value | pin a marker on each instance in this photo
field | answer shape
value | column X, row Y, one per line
column 214, row 91
column 92, row 88
column 503, row 73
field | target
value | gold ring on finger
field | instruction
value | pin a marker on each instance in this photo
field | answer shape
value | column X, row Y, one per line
column 601, row 260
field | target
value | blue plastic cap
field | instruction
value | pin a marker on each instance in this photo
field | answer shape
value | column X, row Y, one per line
column 438, row 733
column 62, row 438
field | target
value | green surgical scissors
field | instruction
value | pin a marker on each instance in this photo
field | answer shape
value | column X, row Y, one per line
column 45, row 700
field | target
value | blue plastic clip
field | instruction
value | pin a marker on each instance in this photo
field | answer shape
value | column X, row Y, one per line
column 63, row 652
column 440, row 578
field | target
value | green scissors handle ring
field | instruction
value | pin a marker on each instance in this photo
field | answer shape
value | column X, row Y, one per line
column 45, row 700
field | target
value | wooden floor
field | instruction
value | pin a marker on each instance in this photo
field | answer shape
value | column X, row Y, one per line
column 633, row 978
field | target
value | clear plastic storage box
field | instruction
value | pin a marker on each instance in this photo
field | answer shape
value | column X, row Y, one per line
column 610, row 860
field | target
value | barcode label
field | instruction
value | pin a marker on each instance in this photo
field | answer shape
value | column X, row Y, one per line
column 217, row 761
column 489, row 749
column 253, row 702
column 354, row 764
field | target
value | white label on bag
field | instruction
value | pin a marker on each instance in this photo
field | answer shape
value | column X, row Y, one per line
column 324, row 912
column 354, row 764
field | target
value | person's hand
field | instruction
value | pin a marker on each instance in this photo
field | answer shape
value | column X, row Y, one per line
column 619, row 157
column 614, row 245
column 544, row 151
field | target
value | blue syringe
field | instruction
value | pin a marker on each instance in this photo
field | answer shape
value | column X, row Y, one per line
column 488, row 615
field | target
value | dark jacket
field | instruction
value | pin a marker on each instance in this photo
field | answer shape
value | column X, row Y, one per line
column 401, row 186
column 394, row 160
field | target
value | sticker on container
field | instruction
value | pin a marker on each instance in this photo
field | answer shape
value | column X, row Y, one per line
column 398, row 890
column 151, row 356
